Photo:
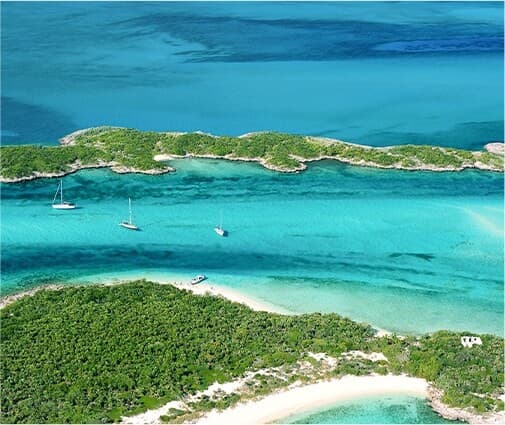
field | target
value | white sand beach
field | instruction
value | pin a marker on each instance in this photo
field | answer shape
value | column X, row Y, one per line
column 203, row 288
column 235, row 296
column 207, row 287
column 296, row 400
column 293, row 400
column 9, row 299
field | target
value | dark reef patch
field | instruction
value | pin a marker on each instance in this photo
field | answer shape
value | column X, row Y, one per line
column 26, row 122
column 422, row 256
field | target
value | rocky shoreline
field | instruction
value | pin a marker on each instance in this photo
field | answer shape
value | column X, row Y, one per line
column 69, row 139
column 303, row 163
column 119, row 169
column 261, row 161
column 498, row 148
column 414, row 164
column 455, row 413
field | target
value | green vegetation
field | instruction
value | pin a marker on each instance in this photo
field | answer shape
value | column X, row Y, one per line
column 134, row 150
column 80, row 354
column 22, row 161
column 91, row 354
column 469, row 377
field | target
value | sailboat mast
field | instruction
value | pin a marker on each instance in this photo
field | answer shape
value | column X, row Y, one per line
column 130, row 208
column 61, row 191
column 56, row 193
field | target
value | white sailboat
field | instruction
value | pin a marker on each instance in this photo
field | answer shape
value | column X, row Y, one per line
column 129, row 224
column 219, row 229
column 63, row 205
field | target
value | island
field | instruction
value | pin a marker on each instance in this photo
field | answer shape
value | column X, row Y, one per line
column 107, row 353
column 134, row 151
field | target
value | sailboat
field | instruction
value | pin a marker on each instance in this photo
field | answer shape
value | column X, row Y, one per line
column 129, row 224
column 219, row 229
column 63, row 205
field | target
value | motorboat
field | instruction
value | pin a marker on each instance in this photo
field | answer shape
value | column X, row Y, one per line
column 198, row 279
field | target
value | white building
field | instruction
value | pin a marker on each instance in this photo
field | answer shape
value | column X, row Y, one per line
column 468, row 341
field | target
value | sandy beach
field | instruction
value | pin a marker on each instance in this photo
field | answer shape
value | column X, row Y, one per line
column 9, row 299
column 221, row 291
column 203, row 288
column 301, row 399
column 207, row 287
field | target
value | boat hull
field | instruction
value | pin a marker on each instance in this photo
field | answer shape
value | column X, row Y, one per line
column 219, row 231
column 64, row 206
column 198, row 279
column 129, row 226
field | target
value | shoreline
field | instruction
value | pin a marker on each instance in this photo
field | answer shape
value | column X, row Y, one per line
column 121, row 169
column 305, row 398
column 297, row 400
column 207, row 287
column 203, row 288
column 180, row 282
column 216, row 290
column 6, row 300
column 456, row 413
column 74, row 168
column 410, row 162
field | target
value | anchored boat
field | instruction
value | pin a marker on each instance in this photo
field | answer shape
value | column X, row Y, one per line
column 63, row 205
column 219, row 229
column 198, row 279
column 129, row 224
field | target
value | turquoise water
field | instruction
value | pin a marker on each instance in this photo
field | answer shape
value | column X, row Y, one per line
column 374, row 73
column 383, row 410
column 405, row 251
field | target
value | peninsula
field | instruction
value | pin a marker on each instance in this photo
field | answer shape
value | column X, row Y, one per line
column 133, row 151
column 107, row 353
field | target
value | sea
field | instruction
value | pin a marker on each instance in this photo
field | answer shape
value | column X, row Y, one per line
column 377, row 410
column 408, row 252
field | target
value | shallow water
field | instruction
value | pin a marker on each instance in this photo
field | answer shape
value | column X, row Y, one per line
column 373, row 73
column 378, row 410
column 408, row 252
column 405, row 251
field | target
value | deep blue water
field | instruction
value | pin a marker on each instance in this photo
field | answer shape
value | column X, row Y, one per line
column 374, row 73
column 409, row 252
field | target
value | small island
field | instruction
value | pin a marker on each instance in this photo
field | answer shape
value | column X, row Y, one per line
column 134, row 151
column 102, row 353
